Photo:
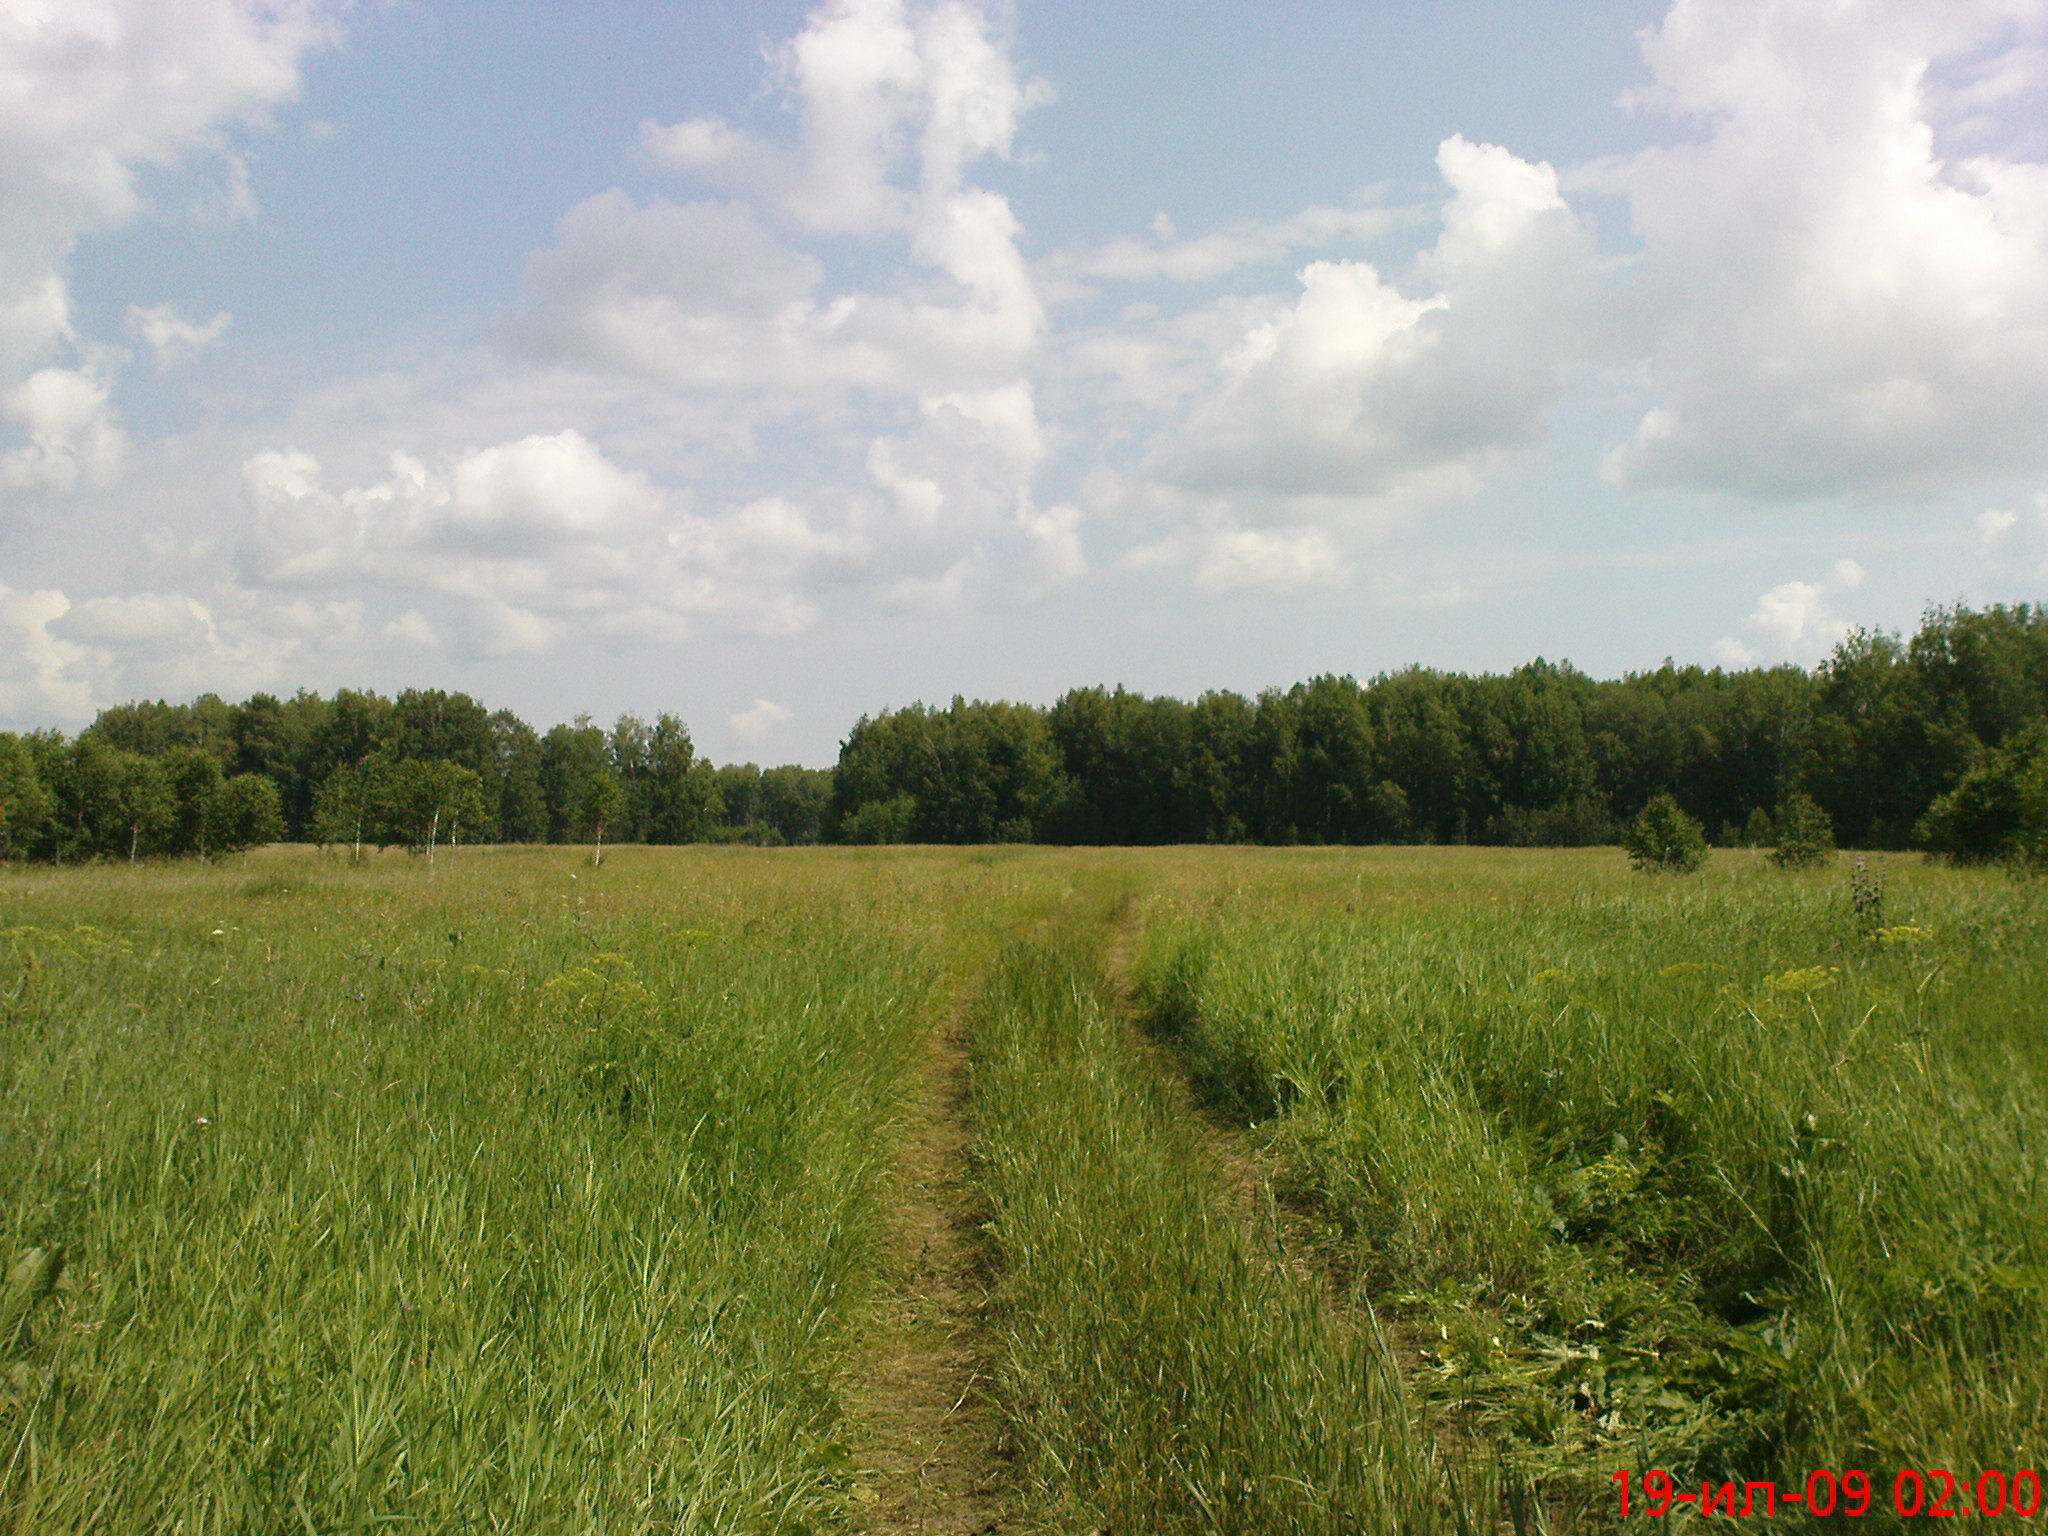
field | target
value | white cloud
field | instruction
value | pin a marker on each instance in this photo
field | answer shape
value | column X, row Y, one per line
column 1053, row 539
column 1357, row 389
column 870, row 79
column 1221, row 558
column 698, row 294
column 753, row 724
column 145, row 619
column 93, row 92
column 44, row 676
column 517, row 546
column 172, row 337
column 1993, row 525
column 1832, row 303
column 1166, row 256
column 1797, row 614
column 72, row 436
column 543, row 491
column 897, row 105
column 1796, row 618
column 1280, row 560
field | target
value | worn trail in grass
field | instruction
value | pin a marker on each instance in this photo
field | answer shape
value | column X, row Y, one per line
column 1155, row 1371
column 925, row 1431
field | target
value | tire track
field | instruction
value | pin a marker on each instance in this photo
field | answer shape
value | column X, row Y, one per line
column 927, row 1437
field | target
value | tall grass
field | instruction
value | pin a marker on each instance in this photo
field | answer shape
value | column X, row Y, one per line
column 1720, row 1173
column 1160, row 1374
column 521, row 1197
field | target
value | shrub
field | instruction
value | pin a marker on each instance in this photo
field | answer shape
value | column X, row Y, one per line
column 1998, row 810
column 1805, row 836
column 1663, row 837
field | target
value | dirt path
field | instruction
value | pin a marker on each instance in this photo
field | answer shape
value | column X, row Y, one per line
column 925, row 1433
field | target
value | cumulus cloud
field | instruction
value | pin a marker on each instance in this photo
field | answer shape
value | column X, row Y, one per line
column 1219, row 557
column 72, row 436
column 1836, row 304
column 872, row 81
column 1358, row 389
column 173, row 338
column 897, row 104
column 1797, row 619
column 92, row 92
column 1993, row 525
column 518, row 544
column 753, row 724
column 44, row 676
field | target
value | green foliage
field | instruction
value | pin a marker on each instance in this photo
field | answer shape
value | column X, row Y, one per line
column 1723, row 1187
column 971, row 773
column 26, row 803
column 247, row 812
column 402, row 802
column 433, row 1205
column 1157, row 1370
column 1999, row 810
column 604, row 802
column 1803, row 835
column 775, row 807
column 1541, row 756
column 1663, row 838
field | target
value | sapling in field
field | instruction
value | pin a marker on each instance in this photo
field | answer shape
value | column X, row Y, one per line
column 1805, row 835
column 1663, row 837
column 604, row 801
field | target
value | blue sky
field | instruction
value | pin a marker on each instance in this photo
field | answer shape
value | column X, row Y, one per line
column 773, row 364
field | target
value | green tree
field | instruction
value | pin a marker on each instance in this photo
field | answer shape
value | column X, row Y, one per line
column 193, row 778
column 143, row 805
column 1663, row 837
column 604, row 803
column 343, row 807
column 522, row 803
column 26, row 804
column 247, row 813
column 570, row 755
column 425, row 804
column 1805, row 836
column 672, row 795
column 1999, row 809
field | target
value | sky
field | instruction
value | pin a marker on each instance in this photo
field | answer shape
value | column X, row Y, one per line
column 774, row 364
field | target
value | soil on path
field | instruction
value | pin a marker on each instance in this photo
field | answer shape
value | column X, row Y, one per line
column 926, row 1433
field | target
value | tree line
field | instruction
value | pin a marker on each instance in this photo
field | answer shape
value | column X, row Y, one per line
column 1935, row 740
column 426, row 769
column 1880, row 736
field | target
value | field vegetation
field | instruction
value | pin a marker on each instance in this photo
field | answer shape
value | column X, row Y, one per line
column 525, row 1196
column 1307, row 1190
column 1738, row 1174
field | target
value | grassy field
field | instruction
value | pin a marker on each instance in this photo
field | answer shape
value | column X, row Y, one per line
column 1739, row 1175
column 524, row 1195
column 516, row 1194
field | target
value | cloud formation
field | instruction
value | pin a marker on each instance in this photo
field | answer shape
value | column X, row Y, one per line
column 1357, row 387
column 92, row 94
column 1835, row 302
column 897, row 104
column 512, row 543
column 171, row 337
column 1797, row 619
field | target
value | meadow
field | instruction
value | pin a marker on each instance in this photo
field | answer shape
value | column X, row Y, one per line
column 1303, row 1190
